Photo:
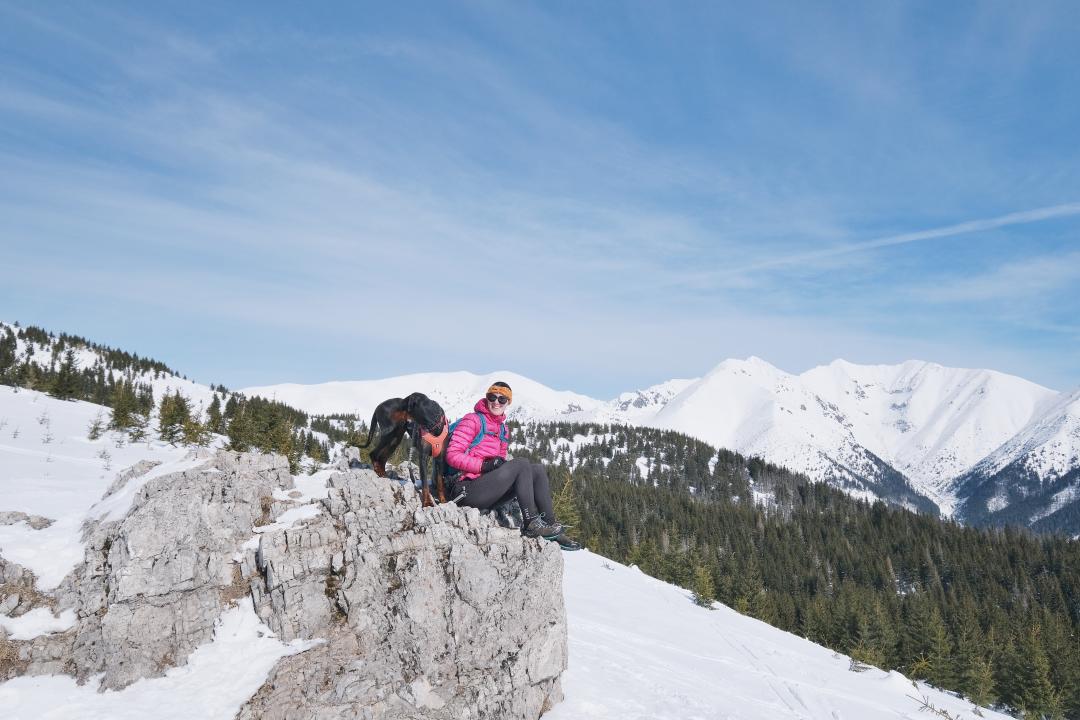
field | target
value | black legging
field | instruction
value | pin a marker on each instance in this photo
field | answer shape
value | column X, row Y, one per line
column 519, row 477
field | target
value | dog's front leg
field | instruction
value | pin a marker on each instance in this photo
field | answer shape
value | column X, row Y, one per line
column 426, row 489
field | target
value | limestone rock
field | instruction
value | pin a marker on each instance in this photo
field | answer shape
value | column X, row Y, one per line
column 153, row 583
column 37, row 522
column 426, row 613
column 421, row 612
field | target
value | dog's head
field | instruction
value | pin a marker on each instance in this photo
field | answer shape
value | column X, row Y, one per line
column 427, row 413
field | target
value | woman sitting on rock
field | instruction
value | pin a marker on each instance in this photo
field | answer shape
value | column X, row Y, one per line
column 488, row 479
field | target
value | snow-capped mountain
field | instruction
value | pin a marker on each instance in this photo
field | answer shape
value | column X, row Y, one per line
column 1033, row 478
column 754, row 408
column 929, row 422
column 456, row 392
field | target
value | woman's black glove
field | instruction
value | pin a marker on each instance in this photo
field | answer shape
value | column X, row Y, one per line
column 491, row 463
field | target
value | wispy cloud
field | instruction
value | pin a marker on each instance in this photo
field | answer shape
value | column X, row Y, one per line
column 1028, row 278
column 968, row 227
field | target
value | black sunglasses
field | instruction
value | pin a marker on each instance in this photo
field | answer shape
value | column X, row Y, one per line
column 501, row 399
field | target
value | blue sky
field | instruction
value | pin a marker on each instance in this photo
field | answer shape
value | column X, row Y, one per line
column 598, row 195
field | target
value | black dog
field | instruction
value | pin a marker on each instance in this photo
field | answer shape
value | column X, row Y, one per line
column 425, row 422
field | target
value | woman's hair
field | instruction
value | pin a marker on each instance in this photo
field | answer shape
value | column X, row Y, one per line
column 500, row 384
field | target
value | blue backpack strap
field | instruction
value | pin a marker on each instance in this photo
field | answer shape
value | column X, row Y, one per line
column 480, row 435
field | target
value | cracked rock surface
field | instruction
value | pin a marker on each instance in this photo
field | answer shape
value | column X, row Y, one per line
column 422, row 612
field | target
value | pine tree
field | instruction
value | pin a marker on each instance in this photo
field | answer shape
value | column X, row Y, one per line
column 565, row 500
column 96, row 428
column 1037, row 696
column 123, row 406
column 137, row 429
column 240, row 427
column 868, row 648
column 281, row 441
column 704, row 588
column 195, row 433
column 978, row 681
column 940, row 652
column 215, row 421
column 173, row 414
column 65, row 384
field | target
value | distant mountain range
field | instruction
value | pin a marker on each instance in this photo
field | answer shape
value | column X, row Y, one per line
column 979, row 445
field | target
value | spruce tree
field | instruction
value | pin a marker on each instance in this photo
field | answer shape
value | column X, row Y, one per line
column 137, row 429
column 123, row 406
column 96, row 428
column 65, row 384
column 215, row 421
column 704, row 589
column 173, row 414
column 978, row 681
column 193, row 432
column 565, row 500
column 240, row 427
column 1037, row 696
column 939, row 652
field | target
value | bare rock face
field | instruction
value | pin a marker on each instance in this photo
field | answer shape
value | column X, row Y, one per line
column 422, row 612
column 154, row 583
column 426, row 613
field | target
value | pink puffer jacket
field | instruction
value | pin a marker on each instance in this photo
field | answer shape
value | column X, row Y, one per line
column 469, row 461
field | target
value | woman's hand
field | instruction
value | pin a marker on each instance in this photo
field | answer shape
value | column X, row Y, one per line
column 491, row 463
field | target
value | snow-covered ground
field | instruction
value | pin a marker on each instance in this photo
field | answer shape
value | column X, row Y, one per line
column 639, row 648
column 218, row 678
column 48, row 467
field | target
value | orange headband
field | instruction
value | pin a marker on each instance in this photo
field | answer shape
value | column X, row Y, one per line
column 500, row 390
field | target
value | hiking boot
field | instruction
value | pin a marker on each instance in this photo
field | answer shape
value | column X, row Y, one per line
column 537, row 526
column 566, row 543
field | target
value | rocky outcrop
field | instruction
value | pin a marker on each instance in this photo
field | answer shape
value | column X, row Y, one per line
column 419, row 612
column 426, row 613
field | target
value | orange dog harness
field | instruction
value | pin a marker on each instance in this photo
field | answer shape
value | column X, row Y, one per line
column 436, row 441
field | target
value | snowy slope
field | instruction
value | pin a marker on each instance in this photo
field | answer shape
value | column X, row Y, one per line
column 640, row 406
column 456, row 392
column 638, row 647
column 1048, row 446
column 200, row 396
column 757, row 409
column 1034, row 478
column 48, row 467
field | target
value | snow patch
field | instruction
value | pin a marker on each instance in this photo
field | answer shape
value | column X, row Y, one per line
column 218, row 678
column 39, row 621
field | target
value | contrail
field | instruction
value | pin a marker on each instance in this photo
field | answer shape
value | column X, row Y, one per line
column 1017, row 218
